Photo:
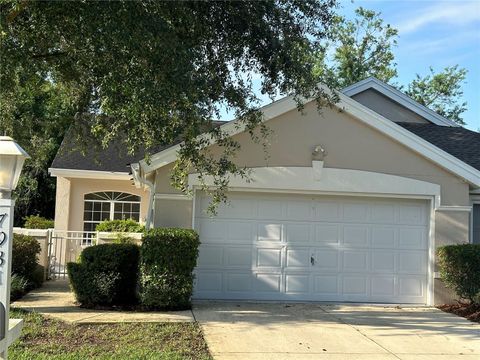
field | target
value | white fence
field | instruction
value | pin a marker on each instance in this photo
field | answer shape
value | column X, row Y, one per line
column 59, row 247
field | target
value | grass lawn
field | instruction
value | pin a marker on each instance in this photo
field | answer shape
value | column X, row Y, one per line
column 44, row 338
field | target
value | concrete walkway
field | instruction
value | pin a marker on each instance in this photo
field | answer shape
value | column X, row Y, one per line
column 272, row 331
column 55, row 299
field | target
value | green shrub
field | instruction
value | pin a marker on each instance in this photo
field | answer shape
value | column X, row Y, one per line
column 25, row 250
column 18, row 287
column 37, row 277
column 167, row 259
column 38, row 222
column 106, row 275
column 460, row 269
column 129, row 225
column 121, row 238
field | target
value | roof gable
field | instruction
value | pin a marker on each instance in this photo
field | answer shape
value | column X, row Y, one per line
column 360, row 112
column 400, row 98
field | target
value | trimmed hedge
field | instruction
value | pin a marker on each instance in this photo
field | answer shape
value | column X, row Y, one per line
column 460, row 269
column 168, row 257
column 38, row 222
column 129, row 225
column 25, row 250
column 106, row 275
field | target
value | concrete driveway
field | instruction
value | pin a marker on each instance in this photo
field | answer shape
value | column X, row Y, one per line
column 314, row 331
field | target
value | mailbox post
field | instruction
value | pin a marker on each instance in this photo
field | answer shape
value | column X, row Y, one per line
column 12, row 157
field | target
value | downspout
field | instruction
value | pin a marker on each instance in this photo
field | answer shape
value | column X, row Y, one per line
column 139, row 181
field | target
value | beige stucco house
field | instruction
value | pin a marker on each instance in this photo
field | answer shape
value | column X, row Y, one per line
column 350, row 205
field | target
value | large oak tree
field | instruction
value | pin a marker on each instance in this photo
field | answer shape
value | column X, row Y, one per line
column 152, row 72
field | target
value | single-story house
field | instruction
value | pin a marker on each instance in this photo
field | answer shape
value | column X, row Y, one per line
column 350, row 205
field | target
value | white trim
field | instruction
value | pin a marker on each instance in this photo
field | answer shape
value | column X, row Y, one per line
column 431, row 253
column 362, row 113
column 474, row 200
column 172, row 197
column 303, row 179
column 89, row 174
column 454, row 208
column 399, row 97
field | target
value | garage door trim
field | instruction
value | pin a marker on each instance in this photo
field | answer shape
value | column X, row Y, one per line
column 348, row 185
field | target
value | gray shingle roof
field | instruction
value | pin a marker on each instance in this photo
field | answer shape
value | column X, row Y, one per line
column 114, row 158
column 462, row 143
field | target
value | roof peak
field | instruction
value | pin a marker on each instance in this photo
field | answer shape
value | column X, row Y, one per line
column 399, row 97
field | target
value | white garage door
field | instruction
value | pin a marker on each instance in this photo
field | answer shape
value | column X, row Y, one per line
column 329, row 248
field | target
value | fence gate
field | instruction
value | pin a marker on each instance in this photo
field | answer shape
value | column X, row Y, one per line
column 65, row 247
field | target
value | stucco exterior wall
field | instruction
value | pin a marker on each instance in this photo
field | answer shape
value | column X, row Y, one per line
column 62, row 203
column 387, row 107
column 350, row 145
column 70, row 198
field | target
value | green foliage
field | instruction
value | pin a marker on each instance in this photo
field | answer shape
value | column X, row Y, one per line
column 363, row 47
column 18, row 287
column 168, row 257
column 460, row 269
column 25, row 250
column 106, row 275
column 441, row 92
column 36, row 113
column 37, row 277
column 129, row 225
column 158, row 71
column 38, row 222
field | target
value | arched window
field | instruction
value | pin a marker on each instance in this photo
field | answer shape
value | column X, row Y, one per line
column 109, row 205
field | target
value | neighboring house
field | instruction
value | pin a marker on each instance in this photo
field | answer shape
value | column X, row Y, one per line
column 357, row 222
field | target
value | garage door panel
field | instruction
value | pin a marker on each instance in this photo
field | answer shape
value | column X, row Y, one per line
column 207, row 281
column 268, row 282
column 383, row 262
column 210, row 256
column 237, row 209
column 269, row 232
column 297, row 284
column 213, row 230
column 356, row 236
column 383, row 214
column 355, row 285
column 271, row 209
column 299, row 210
column 412, row 262
column 412, row 214
column 383, row 237
column 411, row 238
column 411, row 286
column 325, row 248
column 326, row 285
column 298, row 233
column 383, row 287
column 239, row 282
column 355, row 261
column 269, row 257
column 355, row 212
column 327, row 234
column 241, row 231
column 238, row 257
column 298, row 258
column 327, row 260
column 326, row 211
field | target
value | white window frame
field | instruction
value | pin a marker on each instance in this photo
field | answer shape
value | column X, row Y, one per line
column 112, row 205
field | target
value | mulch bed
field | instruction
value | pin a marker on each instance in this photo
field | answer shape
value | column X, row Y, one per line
column 468, row 311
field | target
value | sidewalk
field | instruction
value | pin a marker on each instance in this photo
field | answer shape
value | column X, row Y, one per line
column 54, row 299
